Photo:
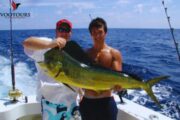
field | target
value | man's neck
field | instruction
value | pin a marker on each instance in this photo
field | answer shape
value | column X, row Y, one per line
column 98, row 47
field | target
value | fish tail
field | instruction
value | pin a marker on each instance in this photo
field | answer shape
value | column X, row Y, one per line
column 148, row 88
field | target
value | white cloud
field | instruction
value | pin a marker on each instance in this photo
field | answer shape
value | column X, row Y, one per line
column 82, row 5
column 139, row 8
column 59, row 12
column 38, row 4
column 75, row 7
column 168, row 1
column 154, row 10
column 123, row 1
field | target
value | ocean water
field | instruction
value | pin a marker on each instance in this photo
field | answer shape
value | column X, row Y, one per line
column 147, row 53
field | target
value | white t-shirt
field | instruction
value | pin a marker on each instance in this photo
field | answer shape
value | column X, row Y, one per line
column 48, row 88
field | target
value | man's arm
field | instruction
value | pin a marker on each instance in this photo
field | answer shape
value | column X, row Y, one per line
column 117, row 65
column 117, row 60
column 35, row 43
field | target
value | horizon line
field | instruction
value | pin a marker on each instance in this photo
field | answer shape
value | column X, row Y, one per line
column 87, row 28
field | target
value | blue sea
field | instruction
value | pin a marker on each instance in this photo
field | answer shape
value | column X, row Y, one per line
column 147, row 53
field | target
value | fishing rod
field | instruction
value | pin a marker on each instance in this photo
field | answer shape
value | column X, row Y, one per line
column 171, row 30
column 90, row 16
column 14, row 93
column 11, row 50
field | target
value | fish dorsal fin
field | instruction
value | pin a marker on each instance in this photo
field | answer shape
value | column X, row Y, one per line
column 76, row 52
column 73, row 49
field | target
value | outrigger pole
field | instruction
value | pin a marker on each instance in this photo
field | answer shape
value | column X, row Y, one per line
column 14, row 93
column 171, row 30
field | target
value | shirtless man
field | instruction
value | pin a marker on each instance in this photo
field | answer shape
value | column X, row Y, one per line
column 101, row 105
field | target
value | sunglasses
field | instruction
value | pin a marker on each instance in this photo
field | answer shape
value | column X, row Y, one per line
column 64, row 30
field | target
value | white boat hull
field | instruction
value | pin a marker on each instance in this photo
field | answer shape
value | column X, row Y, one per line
column 14, row 111
column 32, row 110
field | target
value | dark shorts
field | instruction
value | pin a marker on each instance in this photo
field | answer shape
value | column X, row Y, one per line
column 98, row 109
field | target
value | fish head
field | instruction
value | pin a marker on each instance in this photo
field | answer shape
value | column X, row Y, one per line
column 52, row 61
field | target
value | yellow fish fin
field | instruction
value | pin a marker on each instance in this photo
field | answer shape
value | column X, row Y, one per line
column 148, row 88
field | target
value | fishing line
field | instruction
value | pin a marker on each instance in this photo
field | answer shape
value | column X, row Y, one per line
column 90, row 16
column 171, row 29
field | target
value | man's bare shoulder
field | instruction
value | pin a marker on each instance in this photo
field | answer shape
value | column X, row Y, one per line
column 116, row 54
column 115, row 51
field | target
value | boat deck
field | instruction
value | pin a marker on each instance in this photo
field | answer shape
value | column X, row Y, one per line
column 32, row 110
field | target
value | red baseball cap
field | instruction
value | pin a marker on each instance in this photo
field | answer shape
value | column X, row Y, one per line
column 60, row 22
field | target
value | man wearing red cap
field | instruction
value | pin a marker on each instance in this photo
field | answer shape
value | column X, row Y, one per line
column 58, row 101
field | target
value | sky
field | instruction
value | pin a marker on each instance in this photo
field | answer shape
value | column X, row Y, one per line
column 118, row 13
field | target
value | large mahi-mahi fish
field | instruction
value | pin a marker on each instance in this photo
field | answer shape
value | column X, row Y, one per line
column 59, row 65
